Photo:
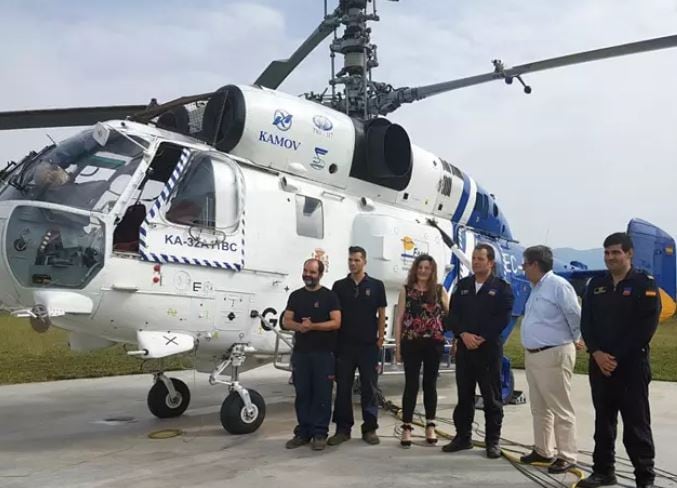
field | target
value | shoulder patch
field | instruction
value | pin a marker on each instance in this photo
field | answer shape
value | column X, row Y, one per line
column 650, row 293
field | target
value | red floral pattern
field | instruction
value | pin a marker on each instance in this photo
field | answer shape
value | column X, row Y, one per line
column 422, row 320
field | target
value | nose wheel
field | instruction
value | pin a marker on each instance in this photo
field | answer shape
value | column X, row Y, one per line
column 169, row 397
column 237, row 418
column 243, row 410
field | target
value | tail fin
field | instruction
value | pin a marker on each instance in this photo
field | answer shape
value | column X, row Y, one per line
column 655, row 253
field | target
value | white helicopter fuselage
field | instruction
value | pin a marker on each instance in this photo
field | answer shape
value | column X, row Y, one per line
column 283, row 194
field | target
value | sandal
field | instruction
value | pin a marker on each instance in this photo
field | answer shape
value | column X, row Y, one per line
column 405, row 439
column 430, row 435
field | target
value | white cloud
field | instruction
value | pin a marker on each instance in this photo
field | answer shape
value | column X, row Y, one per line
column 592, row 146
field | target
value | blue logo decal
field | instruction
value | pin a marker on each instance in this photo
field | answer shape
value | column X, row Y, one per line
column 323, row 123
column 282, row 120
column 318, row 162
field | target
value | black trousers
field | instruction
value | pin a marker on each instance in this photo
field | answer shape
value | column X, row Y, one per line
column 625, row 391
column 363, row 358
column 480, row 366
column 314, row 382
column 415, row 353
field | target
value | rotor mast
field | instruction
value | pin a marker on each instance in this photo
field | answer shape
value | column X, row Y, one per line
column 359, row 57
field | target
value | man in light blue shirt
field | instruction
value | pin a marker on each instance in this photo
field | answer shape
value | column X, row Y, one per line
column 552, row 314
column 550, row 335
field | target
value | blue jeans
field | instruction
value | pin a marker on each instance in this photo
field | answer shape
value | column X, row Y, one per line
column 314, row 381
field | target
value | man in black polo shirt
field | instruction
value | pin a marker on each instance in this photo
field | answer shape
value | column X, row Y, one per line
column 619, row 317
column 480, row 309
column 314, row 314
column 363, row 302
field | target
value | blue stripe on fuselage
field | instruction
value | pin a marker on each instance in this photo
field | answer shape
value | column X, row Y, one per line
column 463, row 201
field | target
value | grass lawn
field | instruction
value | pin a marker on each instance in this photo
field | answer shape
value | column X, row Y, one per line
column 26, row 356
column 663, row 352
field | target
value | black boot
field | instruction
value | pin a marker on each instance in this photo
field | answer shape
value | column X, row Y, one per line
column 596, row 479
column 459, row 443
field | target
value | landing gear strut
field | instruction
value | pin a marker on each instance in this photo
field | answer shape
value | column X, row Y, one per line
column 243, row 410
column 169, row 397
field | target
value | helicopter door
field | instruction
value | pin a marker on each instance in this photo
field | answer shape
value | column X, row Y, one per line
column 188, row 224
column 126, row 234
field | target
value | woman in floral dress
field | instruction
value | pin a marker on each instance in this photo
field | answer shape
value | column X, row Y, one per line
column 419, row 333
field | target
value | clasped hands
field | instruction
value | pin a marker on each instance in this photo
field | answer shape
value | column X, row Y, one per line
column 606, row 362
column 472, row 341
column 306, row 325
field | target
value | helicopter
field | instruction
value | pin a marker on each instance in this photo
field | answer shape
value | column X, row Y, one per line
column 180, row 227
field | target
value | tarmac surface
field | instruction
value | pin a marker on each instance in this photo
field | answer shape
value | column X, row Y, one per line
column 94, row 433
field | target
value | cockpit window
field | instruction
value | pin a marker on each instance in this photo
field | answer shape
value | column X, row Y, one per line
column 77, row 172
column 194, row 200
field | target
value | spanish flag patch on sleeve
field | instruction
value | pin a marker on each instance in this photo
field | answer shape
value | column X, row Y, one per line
column 650, row 293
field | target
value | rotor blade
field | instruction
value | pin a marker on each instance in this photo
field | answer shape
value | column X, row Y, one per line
column 152, row 111
column 278, row 70
column 65, row 117
column 407, row 95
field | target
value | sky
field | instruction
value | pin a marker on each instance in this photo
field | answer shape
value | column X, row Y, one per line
column 591, row 147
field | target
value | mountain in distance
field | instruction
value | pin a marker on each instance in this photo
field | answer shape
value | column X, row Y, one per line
column 592, row 258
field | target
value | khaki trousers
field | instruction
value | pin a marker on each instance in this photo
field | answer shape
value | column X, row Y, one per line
column 549, row 375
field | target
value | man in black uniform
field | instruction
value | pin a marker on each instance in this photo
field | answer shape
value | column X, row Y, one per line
column 363, row 302
column 481, row 308
column 618, row 319
column 313, row 312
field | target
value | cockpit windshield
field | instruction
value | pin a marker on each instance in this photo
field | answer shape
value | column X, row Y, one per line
column 78, row 172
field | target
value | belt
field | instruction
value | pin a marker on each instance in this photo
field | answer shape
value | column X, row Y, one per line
column 544, row 348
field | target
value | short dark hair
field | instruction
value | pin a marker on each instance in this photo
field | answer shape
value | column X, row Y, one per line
column 490, row 251
column 320, row 264
column 541, row 255
column 355, row 249
column 619, row 238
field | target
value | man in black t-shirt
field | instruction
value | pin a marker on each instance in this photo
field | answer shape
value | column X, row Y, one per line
column 363, row 302
column 314, row 314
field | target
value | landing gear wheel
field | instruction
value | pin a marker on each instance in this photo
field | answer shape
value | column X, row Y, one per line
column 234, row 416
column 162, row 405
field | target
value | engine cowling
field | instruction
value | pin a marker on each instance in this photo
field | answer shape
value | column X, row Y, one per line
column 303, row 137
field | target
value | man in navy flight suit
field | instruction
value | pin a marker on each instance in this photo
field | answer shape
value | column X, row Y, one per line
column 480, row 309
column 620, row 315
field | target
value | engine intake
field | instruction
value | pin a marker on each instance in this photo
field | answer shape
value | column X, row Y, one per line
column 224, row 118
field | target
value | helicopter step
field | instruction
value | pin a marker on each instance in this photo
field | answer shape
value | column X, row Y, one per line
column 283, row 347
column 284, row 342
column 243, row 410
